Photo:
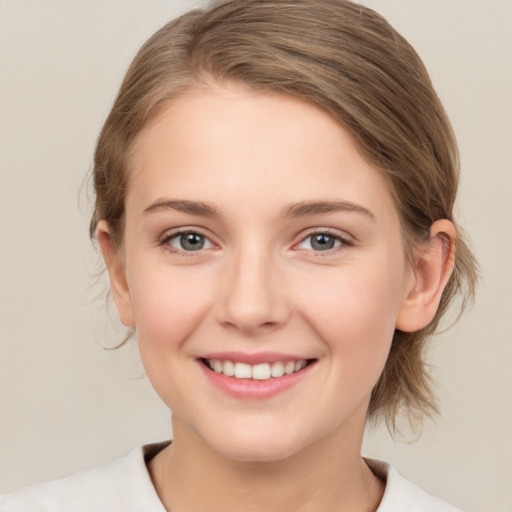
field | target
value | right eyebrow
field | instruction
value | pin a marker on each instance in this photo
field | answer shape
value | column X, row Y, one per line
column 192, row 207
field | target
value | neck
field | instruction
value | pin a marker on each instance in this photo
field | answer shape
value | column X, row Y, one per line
column 327, row 475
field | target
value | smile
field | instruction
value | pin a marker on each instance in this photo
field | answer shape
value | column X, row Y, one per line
column 255, row 376
column 261, row 371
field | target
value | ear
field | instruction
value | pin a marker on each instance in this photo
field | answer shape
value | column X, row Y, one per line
column 431, row 270
column 116, row 270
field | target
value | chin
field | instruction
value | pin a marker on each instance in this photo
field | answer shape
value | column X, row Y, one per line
column 256, row 446
column 257, row 453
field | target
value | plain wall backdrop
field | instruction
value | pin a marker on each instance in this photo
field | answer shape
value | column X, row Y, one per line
column 65, row 403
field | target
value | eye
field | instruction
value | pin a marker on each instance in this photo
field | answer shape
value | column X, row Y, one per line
column 323, row 241
column 188, row 241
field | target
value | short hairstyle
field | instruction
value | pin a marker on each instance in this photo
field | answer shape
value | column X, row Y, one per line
column 349, row 62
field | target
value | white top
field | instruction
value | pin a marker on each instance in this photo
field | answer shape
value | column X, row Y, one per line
column 124, row 485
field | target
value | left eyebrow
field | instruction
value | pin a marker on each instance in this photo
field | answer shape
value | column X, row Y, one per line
column 305, row 208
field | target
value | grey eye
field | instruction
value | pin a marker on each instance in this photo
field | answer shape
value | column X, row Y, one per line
column 320, row 242
column 190, row 242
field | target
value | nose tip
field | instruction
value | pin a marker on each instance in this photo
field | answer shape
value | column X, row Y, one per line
column 253, row 299
column 251, row 321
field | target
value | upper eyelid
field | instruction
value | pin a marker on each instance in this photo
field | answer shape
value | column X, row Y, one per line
column 171, row 233
column 343, row 236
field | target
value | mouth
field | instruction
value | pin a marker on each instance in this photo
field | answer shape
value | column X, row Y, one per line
column 258, row 372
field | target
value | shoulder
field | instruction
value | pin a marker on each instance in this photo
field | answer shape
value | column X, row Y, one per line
column 401, row 495
column 123, row 485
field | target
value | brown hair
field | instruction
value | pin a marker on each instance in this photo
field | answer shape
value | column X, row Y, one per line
column 345, row 59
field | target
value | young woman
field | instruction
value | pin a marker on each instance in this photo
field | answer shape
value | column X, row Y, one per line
column 274, row 204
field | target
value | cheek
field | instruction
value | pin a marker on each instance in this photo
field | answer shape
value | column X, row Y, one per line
column 167, row 305
column 354, row 315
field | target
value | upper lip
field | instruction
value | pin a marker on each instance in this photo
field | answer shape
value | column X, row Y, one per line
column 252, row 359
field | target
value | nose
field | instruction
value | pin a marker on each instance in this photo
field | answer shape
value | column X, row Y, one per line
column 253, row 297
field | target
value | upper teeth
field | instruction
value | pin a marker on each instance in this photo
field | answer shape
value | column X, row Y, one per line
column 262, row 371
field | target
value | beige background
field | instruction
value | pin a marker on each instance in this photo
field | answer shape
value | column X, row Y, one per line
column 65, row 404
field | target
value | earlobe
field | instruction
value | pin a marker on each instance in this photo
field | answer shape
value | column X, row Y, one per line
column 116, row 271
column 432, row 269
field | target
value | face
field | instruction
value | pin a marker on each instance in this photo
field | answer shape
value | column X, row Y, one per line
column 263, row 269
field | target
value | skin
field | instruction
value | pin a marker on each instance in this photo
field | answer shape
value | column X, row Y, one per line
column 259, row 285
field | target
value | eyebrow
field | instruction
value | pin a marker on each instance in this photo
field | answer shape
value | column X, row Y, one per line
column 193, row 207
column 306, row 208
column 300, row 209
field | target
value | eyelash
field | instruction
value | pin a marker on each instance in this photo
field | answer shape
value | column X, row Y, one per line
column 344, row 241
column 164, row 242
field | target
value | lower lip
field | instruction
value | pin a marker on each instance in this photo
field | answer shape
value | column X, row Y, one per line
column 253, row 388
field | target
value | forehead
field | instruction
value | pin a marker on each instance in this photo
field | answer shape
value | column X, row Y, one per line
column 227, row 141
